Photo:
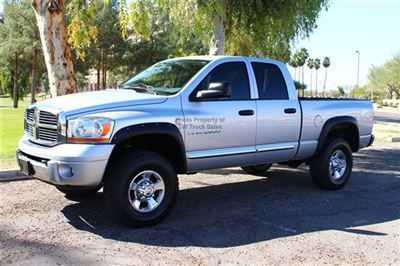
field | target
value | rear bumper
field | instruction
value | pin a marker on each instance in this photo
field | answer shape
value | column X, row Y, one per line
column 371, row 141
column 366, row 140
column 65, row 164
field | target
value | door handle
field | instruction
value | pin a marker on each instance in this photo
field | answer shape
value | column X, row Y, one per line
column 290, row 110
column 246, row 112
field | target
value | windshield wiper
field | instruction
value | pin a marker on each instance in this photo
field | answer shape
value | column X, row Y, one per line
column 140, row 87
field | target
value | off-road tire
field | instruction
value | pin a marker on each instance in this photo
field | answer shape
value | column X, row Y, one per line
column 119, row 176
column 319, row 166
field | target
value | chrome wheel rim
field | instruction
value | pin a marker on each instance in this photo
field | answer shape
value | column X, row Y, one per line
column 337, row 164
column 146, row 191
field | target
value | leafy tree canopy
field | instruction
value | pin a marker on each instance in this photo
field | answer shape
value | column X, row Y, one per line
column 253, row 27
column 17, row 33
column 18, row 39
column 384, row 80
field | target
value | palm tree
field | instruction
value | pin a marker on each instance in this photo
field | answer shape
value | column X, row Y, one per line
column 295, row 63
column 326, row 63
column 292, row 63
column 299, row 63
column 317, row 65
column 310, row 64
column 304, row 56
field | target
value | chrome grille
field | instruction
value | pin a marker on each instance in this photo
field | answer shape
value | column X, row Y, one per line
column 41, row 126
column 47, row 118
column 29, row 129
column 30, row 113
column 48, row 134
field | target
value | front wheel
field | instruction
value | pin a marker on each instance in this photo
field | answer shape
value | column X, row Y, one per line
column 141, row 187
column 332, row 168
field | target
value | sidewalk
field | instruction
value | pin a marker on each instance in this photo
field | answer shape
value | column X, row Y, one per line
column 8, row 175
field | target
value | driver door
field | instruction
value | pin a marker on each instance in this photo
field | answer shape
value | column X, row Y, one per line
column 221, row 131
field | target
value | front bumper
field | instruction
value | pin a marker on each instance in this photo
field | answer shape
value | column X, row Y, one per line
column 65, row 164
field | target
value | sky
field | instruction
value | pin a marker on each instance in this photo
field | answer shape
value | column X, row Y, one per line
column 369, row 26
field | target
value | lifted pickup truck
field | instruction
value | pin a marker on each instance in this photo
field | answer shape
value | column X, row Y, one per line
column 186, row 115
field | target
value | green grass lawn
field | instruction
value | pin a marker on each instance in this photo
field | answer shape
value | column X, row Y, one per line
column 11, row 129
column 385, row 131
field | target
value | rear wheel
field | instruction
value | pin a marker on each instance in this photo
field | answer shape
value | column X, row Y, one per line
column 258, row 169
column 141, row 188
column 332, row 168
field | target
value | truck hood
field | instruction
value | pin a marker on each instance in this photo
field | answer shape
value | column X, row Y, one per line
column 98, row 100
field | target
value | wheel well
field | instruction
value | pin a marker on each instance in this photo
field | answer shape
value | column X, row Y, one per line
column 346, row 131
column 163, row 144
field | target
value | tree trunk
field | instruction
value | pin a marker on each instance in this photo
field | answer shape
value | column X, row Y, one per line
column 56, row 50
column 34, row 66
column 311, row 83
column 15, row 89
column 217, row 43
column 393, row 91
column 302, row 80
column 326, row 74
column 316, row 83
column 98, row 76
column 298, row 75
column 104, row 65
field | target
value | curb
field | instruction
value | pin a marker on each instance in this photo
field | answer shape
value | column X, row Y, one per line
column 12, row 175
column 395, row 139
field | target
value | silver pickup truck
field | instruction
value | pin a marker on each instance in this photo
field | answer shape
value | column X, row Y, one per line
column 184, row 115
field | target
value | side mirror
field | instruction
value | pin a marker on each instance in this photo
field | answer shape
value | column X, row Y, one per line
column 215, row 90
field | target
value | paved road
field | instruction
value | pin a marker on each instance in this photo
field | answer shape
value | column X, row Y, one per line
column 387, row 116
column 222, row 216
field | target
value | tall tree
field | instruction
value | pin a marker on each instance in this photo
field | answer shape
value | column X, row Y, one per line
column 269, row 26
column 299, row 63
column 326, row 63
column 19, row 43
column 384, row 80
column 317, row 65
column 293, row 64
column 56, row 49
column 304, row 56
column 310, row 64
column 109, row 46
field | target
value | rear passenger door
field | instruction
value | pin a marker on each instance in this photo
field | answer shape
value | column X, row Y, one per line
column 278, row 113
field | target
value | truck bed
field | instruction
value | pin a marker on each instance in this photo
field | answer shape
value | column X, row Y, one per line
column 316, row 111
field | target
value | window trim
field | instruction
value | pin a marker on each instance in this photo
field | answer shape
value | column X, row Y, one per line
column 192, row 95
column 256, row 84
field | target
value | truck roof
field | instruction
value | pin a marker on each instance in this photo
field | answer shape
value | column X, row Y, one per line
column 218, row 57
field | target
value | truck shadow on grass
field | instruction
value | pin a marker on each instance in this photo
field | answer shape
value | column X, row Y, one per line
column 283, row 203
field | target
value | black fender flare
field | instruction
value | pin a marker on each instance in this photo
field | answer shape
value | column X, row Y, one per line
column 169, row 129
column 331, row 123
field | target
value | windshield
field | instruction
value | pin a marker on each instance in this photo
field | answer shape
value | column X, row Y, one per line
column 166, row 78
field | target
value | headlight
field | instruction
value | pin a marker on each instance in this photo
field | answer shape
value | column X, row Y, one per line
column 90, row 130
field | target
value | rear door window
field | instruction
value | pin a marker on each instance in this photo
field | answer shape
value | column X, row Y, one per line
column 271, row 84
